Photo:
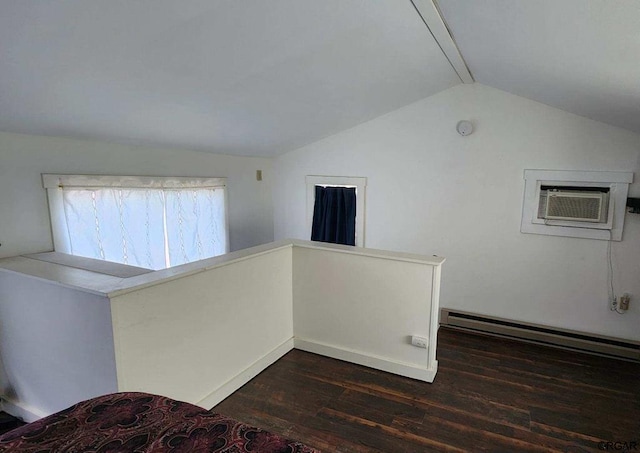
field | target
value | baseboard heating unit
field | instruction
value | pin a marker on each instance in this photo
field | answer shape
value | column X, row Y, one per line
column 550, row 336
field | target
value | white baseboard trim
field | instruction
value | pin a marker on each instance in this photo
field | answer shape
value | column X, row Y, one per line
column 245, row 376
column 22, row 411
column 426, row 374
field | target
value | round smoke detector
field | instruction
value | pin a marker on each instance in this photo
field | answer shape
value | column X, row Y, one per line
column 464, row 127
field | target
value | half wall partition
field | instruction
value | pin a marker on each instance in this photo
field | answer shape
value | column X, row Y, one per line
column 199, row 331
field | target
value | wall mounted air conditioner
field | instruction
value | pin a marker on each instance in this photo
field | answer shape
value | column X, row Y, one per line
column 576, row 206
column 582, row 204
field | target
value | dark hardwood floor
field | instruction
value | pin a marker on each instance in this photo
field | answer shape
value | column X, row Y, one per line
column 490, row 394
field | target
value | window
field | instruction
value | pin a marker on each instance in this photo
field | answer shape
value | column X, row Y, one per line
column 358, row 183
column 586, row 204
column 334, row 215
column 147, row 222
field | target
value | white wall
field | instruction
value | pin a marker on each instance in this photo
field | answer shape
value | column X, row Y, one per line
column 24, row 215
column 364, row 308
column 56, row 345
column 200, row 337
column 431, row 191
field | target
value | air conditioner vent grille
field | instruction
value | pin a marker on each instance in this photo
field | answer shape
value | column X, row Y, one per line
column 585, row 207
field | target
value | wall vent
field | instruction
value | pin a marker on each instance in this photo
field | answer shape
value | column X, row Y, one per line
column 533, row 333
column 576, row 206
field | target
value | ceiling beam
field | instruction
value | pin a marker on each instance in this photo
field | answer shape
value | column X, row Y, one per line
column 431, row 17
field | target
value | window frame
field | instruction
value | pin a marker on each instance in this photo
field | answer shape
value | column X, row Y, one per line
column 617, row 182
column 55, row 183
column 359, row 182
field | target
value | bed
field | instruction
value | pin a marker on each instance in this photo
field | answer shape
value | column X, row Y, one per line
column 141, row 422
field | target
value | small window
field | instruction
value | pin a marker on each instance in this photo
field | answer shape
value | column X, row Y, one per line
column 583, row 204
column 147, row 222
column 358, row 184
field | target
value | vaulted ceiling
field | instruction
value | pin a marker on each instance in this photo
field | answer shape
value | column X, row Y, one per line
column 263, row 77
column 237, row 77
column 582, row 56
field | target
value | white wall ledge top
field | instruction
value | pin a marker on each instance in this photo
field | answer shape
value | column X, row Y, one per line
column 61, row 275
column 112, row 286
column 433, row 260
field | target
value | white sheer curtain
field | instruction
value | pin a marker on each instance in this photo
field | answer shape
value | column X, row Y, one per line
column 195, row 224
column 150, row 228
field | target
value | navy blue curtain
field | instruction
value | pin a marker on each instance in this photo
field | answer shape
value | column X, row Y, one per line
column 334, row 215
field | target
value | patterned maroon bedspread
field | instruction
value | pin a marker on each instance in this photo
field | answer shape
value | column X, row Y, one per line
column 140, row 422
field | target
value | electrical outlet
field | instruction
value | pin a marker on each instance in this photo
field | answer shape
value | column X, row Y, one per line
column 420, row 342
column 625, row 300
